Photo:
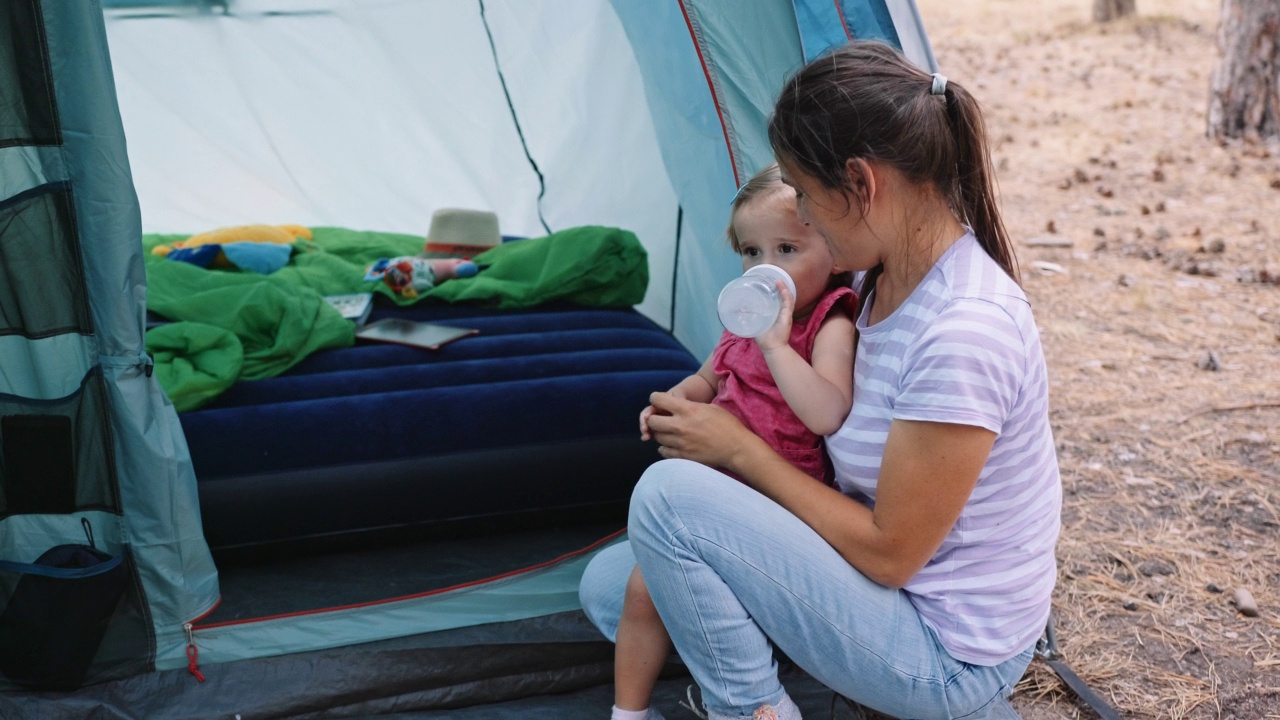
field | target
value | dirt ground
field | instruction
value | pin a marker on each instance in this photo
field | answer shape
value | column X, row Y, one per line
column 1151, row 254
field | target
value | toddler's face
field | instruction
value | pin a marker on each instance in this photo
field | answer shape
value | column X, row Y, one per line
column 770, row 232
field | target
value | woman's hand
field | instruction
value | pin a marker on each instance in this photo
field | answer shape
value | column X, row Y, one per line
column 696, row 431
column 779, row 333
column 699, row 387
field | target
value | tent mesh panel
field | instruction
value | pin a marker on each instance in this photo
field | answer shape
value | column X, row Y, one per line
column 57, row 454
column 28, row 115
column 42, row 289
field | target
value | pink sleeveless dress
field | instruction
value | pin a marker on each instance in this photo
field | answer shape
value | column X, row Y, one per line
column 747, row 388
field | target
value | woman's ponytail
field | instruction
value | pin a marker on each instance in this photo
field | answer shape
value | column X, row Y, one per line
column 975, row 178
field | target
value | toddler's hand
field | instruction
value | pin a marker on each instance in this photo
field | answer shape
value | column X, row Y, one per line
column 644, row 423
column 779, row 333
column 645, row 432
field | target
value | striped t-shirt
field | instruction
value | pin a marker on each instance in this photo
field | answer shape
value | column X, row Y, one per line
column 964, row 349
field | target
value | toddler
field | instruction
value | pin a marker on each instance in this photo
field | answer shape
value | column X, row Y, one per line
column 791, row 386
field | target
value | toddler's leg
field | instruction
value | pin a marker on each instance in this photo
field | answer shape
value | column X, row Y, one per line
column 642, row 648
column 604, row 595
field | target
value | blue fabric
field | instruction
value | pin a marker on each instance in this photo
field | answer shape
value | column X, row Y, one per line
column 526, row 378
column 200, row 255
column 825, row 24
column 820, row 27
column 262, row 258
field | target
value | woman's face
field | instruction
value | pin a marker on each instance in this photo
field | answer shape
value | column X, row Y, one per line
column 837, row 216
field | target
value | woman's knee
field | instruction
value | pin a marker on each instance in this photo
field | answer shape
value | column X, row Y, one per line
column 652, row 482
column 663, row 488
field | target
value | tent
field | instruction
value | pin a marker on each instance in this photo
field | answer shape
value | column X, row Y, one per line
column 184, row 115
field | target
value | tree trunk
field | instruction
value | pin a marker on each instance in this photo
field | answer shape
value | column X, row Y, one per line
column 1244, row 91
column 1108, row 10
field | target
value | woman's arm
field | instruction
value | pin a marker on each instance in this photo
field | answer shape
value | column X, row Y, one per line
column 927, row 474
column 820, row 394
column 929, row 470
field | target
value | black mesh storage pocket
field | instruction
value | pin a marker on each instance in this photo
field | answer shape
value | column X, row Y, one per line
column 56, row 455
column 72, row 616
column 28, row 112
column 42, row 290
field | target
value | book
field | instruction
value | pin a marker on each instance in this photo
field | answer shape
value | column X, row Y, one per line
column 415, row 334
column 355, row 307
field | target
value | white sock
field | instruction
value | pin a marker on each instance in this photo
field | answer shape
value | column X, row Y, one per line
column 647, row 714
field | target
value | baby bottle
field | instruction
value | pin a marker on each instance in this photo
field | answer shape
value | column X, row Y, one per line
column 749, row 304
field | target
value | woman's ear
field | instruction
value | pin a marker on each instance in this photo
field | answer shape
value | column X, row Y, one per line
column 862, row 180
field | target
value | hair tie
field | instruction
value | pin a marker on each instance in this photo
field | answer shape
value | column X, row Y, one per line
column 939, row 84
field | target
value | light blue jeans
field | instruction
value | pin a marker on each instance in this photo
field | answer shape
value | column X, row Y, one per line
column 731, row 572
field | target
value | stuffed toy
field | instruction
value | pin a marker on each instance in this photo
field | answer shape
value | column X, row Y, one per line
column 280, row 234
column 409, row 276
column 260, row 248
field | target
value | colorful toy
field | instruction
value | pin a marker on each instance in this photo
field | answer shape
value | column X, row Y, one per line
column 279, row 234
column 258, row 248
column 409, row 276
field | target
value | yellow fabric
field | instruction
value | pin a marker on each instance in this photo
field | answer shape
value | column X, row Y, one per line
column 279, row 234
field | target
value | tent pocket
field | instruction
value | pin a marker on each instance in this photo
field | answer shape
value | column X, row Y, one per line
column 56, row 455
column 54, row 613
column 44, row 292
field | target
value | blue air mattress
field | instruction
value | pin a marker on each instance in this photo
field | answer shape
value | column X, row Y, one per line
column 536, row 413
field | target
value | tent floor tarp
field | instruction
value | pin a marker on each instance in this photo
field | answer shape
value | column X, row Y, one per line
column 549, row 666
column 555, row 667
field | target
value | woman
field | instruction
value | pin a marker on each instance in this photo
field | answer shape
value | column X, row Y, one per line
column 919, row 586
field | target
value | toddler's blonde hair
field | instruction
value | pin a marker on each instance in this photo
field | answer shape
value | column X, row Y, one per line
column 765, row 182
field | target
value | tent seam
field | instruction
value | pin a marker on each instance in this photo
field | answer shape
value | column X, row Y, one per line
column 695, row 32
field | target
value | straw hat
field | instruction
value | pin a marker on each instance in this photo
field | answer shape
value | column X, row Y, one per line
column 455, row 231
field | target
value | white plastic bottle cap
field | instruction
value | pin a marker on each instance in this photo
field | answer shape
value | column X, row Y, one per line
column 749, row 305
column 773, row 272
